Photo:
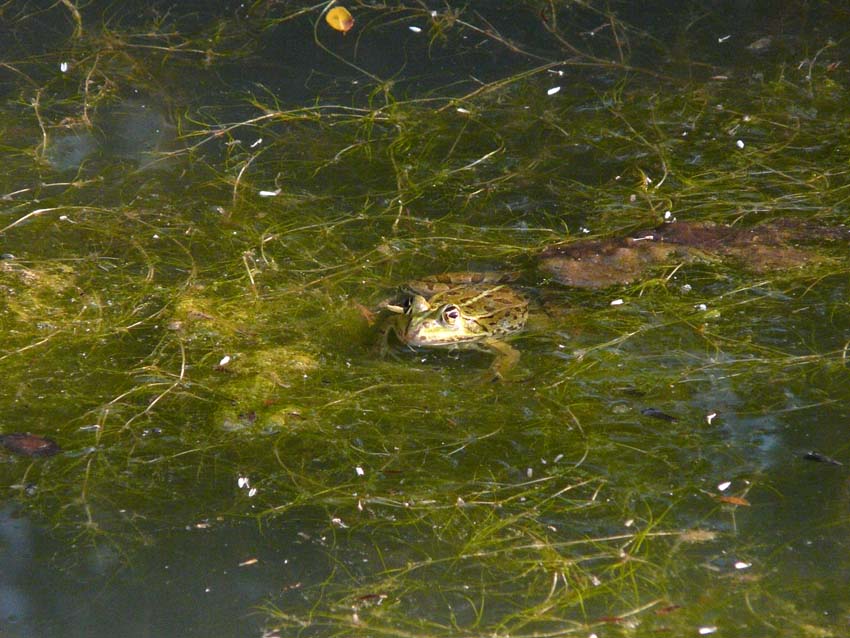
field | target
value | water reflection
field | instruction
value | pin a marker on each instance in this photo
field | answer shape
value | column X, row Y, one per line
column 185, row 583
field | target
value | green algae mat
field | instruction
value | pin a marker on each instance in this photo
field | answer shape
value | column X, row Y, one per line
column 210, row 211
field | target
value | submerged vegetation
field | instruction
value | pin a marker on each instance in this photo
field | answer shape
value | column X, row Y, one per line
column 202, row 213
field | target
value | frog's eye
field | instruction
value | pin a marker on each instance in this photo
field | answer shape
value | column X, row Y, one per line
column 451, row 314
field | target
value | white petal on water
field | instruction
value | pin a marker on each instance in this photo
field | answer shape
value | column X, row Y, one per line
column 617, row 302
column 224, row 361
column 63, row 66
column 415, row 29
column 742, row 565
column 553, row 90
column 724, row 486
column 704, row 631
column 269, row 193
column 242, row 481
column 740, row 143
column 252, row 492
column 359, row 470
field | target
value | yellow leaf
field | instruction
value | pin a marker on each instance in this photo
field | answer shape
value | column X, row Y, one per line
column 340, row 19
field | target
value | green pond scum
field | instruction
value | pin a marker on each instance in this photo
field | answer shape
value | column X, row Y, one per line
column 204, row 209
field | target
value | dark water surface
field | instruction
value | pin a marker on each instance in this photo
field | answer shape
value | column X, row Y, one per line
column 203, row 204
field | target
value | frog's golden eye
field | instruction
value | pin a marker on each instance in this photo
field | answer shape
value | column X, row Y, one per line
column 451, row 314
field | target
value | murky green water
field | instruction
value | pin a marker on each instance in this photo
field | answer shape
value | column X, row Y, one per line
column 200, row 211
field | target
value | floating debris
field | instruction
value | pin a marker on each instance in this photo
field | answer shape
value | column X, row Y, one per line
column 734, row 500
column 29, row 444
column 598, row 263
column 820, row 458
column 657, row 414
column 762, row 44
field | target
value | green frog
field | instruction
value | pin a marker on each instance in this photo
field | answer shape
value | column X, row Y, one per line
column 461, row 311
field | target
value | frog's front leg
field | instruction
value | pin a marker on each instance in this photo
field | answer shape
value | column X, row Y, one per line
column 506, row 357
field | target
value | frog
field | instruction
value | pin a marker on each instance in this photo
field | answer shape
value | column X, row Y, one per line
column 461, row 311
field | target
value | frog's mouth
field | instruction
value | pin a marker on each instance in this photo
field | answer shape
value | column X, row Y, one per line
column 421, row 337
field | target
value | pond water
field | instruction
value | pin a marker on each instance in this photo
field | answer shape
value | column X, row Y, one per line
column 204, row 210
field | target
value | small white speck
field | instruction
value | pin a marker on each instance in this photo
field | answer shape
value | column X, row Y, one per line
column 415, row 29
column 584, row 231
column 710, row 417
column 740, row 143
column 242, row 482
column 252, row 492
column 434, row 14
column 63, row 66
column 747, row 118
column 557, row 458
column 724, row 486
column 742, row 565
column 274, row 193
column 629, row 522
column 701, row 307
column 553, row 90
column 617, row 302
column 668, row 214
column 460, row 109
column 704, row 631
column 224, row 361
column 155, row 236
column 257, row 142
column 529, row 472
column 686, row 288
column 63, row 218
column 338, row 522
column 723, row 38
column 359, row 471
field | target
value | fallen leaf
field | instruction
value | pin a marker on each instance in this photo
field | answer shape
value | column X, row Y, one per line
column 340, row 19
column 29, row 444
